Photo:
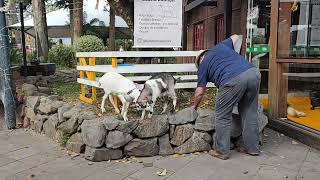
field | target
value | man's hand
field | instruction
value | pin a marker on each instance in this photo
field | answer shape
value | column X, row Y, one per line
column 198, row 94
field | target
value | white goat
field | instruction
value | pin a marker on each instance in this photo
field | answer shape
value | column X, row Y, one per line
column 118, row 85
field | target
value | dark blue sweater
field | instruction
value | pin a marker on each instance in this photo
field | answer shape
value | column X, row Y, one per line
column 221, row 64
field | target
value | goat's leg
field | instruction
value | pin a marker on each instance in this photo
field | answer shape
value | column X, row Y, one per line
column 151, row 110
column 104, row 98
column 143, row 114
column 124, row 109
column 114, row 105
column 165, row 106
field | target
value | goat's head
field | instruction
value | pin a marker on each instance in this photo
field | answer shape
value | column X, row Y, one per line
column 144, row 101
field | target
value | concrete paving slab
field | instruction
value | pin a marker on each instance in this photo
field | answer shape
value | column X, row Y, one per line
column 5, row 160
column 125, row 169
column 173, row 163
column 148, row 173
column 25, row 152
column 275, row 173
column 104, row 175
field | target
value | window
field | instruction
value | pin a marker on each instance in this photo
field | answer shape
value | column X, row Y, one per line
column 198, row 37
column 219, row 30
column 299, row 29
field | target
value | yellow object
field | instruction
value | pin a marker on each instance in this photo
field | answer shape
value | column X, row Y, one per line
column 114, row 62
column 294, row 7
column 302, row 104
column 91, row 75
column 162, row 173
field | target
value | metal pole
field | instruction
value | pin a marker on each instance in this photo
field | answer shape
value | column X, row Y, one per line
column 227, row 18
column 23, row 40
column 6, row 94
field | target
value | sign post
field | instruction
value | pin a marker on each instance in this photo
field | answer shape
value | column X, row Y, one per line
column 157, row 23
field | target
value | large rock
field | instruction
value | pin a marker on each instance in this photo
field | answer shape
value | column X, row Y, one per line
column 29, row 90
column 236, row 128
column 30, row 114
column 76, row 144
column 102, row 154
column 20, row 114
column 184, row 116
column 111, row 123
column 165, row 146
column 61, row 111
column 39, row 121
column 93, row 133
column 31, row 80
column 49, row 126
column 204, row 135
column 42, row 81
column 157, row 126
column 194, row 144
column 205, row 120
column 33, row 102
column 172, row 129
column 78, row 109
column 71, row 126
column 142, row 147
column 181, row 134
column 49, row 105
column 116, row 139
column 44, row 90
column 127, row 127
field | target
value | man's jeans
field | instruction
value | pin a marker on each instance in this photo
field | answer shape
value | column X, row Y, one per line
column 244, row 91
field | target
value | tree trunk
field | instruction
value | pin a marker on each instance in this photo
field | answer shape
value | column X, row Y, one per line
column 124, row 9
column 71, row 21
column 77, row 18
column 12, row 18
column 40, row 26
column 112, row 30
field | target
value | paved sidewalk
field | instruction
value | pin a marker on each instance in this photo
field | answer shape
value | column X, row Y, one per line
column 24, row 154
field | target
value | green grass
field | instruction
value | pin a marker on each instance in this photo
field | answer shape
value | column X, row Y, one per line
column 69, row 92
column 63, row 139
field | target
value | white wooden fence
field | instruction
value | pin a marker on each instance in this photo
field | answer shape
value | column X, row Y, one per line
column 90, row 69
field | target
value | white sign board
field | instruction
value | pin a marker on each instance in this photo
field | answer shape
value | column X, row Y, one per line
column 157, row 23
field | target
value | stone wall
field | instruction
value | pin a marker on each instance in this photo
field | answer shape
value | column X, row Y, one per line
column 107, row 138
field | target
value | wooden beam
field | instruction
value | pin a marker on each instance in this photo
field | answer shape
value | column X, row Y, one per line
column 227, row 18
column 302, row 133
column 197, row 3
column 299, row 61
column 273, row 65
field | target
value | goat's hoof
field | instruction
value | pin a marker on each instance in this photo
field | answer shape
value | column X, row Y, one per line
column 103, row 110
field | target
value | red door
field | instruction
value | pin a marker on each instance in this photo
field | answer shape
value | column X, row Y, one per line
column 219, row 30
column 198, row 37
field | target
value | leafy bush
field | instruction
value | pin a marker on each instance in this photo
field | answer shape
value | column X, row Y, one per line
column 62, row 55
column 16, row 56
column 88, row 43
column 32, row 56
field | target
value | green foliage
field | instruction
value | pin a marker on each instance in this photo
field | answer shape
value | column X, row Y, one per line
column 31, row 56
column 63, row 139
column 62, row 55
column 88, row 43
column 15, row 56
column 68, row 91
